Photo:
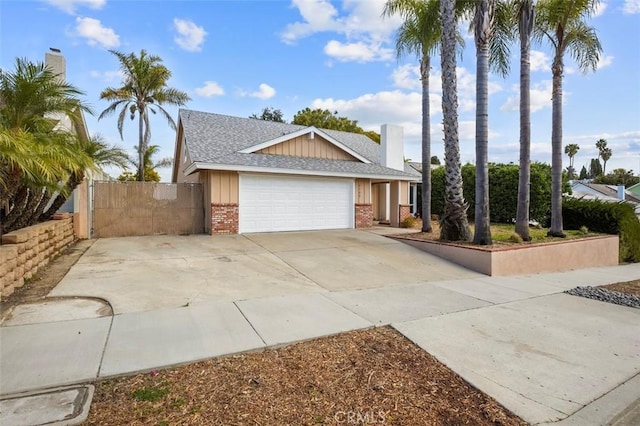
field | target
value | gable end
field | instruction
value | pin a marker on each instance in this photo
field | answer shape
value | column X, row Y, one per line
column 308, row 145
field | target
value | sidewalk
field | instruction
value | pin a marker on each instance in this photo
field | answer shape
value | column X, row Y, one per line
column 543, row 354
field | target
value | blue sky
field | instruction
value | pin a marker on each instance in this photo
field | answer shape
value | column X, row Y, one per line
column 236, row 57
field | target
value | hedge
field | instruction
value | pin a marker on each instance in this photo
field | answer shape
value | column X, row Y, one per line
column 607, row 217
column 503, row 191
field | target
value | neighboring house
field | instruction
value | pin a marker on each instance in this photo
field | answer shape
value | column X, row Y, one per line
column 264, row 176
column 634, row 190
column 609, row 193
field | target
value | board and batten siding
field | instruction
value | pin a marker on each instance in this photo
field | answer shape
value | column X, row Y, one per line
column 363, row 191
column 404, row 193
column 223, row 187
column 304, row 146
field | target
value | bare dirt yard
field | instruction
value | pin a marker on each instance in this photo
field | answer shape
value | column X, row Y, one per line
column 373, row 376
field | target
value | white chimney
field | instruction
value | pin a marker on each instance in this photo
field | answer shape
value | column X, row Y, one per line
column 54, row 60
column 392, row 146
column 621, row 195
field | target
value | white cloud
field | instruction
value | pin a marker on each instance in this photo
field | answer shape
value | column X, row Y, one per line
column 359, row 51
column 264, row 92
column 631, row 7
column 605, row 61
column 190, row 36
column 600, row 8
column 366, row 33
column 407, row 77
column 69, row 6
column 210, row 88
column 539, row 61
column 96, row 34
column 108, row 76
column 540, row 94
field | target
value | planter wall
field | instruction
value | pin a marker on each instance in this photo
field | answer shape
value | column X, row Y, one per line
column 527, row 259
column 26, row 250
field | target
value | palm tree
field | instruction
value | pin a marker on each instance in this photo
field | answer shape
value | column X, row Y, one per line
column 150, row 166
column 526, row 19
column 454, row 224
column 37, row 153
column 483, row 23
column 606, row 155
column 562, row 24
column 144, row 90
column 101, row 155
column 419, row 34
column 571, row 150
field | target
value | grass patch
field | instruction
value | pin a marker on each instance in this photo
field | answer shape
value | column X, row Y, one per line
column 151, row 394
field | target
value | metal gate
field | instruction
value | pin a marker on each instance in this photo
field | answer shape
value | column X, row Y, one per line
column 122, row 209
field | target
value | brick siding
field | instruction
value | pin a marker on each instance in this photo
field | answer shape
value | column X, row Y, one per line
column 364, row 215
column 224, row 219
column 405, row 212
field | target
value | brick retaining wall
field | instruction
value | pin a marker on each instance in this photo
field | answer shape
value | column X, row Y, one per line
column 26, row 250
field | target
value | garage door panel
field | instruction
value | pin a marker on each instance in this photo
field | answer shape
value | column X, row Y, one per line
column 279, row 203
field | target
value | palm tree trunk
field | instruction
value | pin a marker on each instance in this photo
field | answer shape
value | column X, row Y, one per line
column 32, row 202
column 141, row 146
column 454, row 224
column 425, row 66
column 16, row 207
column 556, row 149
column 37, row 211
column 482, row 235
column 526, row 19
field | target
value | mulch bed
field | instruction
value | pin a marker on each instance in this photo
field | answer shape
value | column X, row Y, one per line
column 629, row 287
column 373, row 376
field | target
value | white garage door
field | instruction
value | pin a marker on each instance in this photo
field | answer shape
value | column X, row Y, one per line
column 271, row 203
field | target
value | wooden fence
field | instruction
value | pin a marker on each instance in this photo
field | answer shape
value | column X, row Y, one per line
column 122, row 209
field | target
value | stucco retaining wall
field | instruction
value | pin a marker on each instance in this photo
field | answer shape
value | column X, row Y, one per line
column 26, row 250
column 528, row 259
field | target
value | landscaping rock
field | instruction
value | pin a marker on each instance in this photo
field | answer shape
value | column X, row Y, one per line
column 605, row 295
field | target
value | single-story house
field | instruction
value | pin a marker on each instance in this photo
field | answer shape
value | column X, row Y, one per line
column 264, row 176
column 609, row 193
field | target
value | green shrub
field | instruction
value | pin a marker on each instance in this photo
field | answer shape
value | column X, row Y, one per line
column 503, row 191
column 409, row 222
column 609, row 218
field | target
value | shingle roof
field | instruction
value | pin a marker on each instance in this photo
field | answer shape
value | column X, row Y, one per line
column 217, row 139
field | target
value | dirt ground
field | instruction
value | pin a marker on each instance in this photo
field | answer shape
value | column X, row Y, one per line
column 374, row 376
column 629, row 287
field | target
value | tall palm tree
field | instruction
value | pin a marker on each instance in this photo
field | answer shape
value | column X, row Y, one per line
column 144, row 90
column 37, row 153
column 562, row 24
column 483, row 23
column 454, row 224
column 525, row 10
column 419, row 34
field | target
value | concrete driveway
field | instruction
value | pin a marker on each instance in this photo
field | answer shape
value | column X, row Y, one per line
column 145, row 273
